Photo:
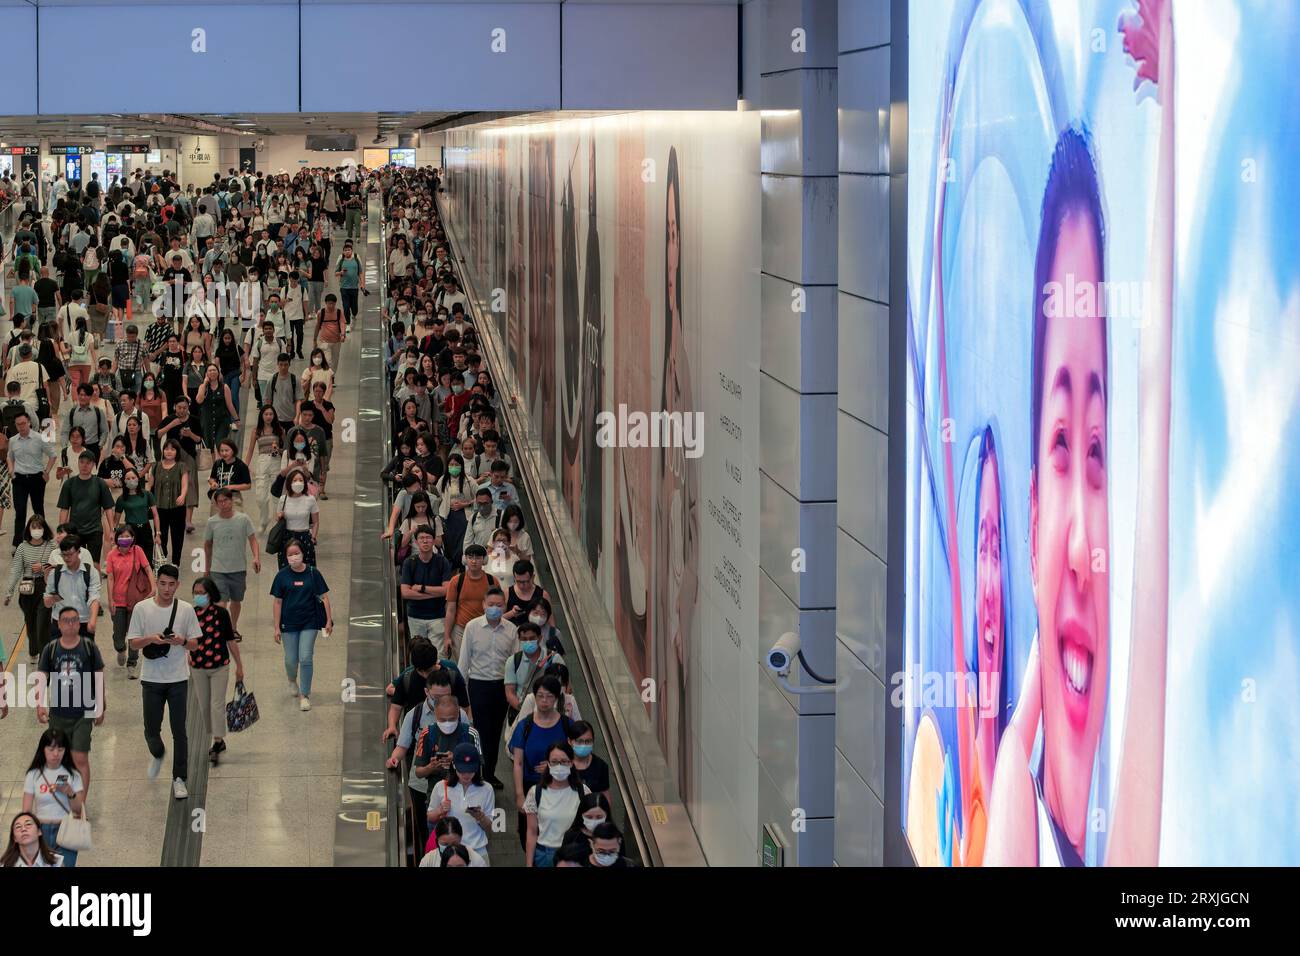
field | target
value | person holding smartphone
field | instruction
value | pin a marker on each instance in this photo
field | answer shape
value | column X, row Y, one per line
column 465, row 797
column 53, row 789
column 163, row 628
column 440, row 729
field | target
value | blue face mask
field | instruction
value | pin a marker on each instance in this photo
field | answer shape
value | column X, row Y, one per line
column 582, row 750
column 200, row 600
column 494, row 613
column 530, row 647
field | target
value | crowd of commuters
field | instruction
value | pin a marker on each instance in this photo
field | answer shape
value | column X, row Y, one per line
column 165, row 344
column 143, row 325
column 486, row 678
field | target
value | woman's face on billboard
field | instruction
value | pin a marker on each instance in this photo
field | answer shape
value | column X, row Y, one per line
column 988, row 609
column 1069, row 538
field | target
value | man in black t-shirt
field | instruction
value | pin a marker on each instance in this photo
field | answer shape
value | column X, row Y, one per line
column 407, row 689
column 47, row 296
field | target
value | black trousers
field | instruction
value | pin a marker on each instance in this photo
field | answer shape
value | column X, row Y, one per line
column 25, row 488
column 175, row 697
column 173, row 531
column 349, row 302
column 487, row 698
column 420, row 814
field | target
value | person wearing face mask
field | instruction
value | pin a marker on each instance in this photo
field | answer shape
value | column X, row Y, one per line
column 528, row 707
column 525, row 665
column 607, row 849
column 551, row 805
column 139, row 509
column 130, row 581
column 455, row 405
column 441, row 729
column 455, row 493
column 524, row 595
column 488, row 641
column 464, row 799
column 445, row 848
column 594, row 770
column 593, row 810
column 210, row 661
column 500, row 563
column 320, row 368
column 301, row 613
column 27, row 570
column 301, row 514
column 482, row 523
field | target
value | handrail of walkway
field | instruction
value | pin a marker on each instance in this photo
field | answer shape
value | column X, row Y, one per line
column 656, row 819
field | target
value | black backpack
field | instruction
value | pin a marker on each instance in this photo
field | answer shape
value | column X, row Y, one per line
column 9, row 413
column 85, row 574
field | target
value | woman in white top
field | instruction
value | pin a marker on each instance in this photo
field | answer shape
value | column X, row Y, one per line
column 512, row 522
column 53, row 788
column 500, row 561
column 317, row 370
column 551, row 806
column 301, row 514
column 27, row 846
column 463, row 799
column 79, row 353
column 399, row 258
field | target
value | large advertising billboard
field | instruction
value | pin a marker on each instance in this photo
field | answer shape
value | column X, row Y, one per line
column 626, row 253
column 1102, row 578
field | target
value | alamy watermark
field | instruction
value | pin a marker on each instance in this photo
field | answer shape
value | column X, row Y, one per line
column 634, row 429
column 1091, row 299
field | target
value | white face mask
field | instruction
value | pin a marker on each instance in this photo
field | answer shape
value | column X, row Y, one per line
column 38, row 534
column 298, row 486
column 592, row 822
column 560, row 771
column 447, row 726
column 317, row 360
column 538, row 619
column 297, row 562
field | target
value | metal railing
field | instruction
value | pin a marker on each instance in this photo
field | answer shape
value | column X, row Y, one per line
column 399, row 807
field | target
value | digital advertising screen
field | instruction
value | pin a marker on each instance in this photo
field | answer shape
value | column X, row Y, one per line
column 402, row 157
column 1102, row 607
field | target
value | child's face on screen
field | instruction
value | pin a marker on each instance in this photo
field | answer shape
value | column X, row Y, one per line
column 1069, row 514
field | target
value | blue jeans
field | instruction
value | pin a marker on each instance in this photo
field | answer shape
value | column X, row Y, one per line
column 233, row 381
column 544, row 856
column 299, row 647
column 51, row 833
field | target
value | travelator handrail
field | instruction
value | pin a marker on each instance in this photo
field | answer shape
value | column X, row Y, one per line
column 644, row 781
column 394, row 638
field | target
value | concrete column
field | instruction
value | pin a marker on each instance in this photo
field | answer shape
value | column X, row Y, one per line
column 863, row 430
column 794, row 43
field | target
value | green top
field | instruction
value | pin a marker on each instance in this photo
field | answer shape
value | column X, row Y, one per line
column 167, row 484
column 135, row 507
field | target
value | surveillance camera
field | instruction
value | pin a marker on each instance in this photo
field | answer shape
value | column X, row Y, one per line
column 781, row 657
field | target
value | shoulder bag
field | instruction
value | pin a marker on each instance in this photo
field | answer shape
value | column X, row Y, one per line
column 74, row 830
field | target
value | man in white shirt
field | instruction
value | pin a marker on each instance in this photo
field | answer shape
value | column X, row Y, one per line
column 203, row 228
column 488, row 642
column 164, row 629
column 264, row 352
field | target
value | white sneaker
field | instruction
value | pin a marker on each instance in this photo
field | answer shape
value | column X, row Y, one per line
column 155, row 765
column 304, row 703
column 179, row 790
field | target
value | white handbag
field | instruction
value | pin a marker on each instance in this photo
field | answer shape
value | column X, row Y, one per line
column 74, row 830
